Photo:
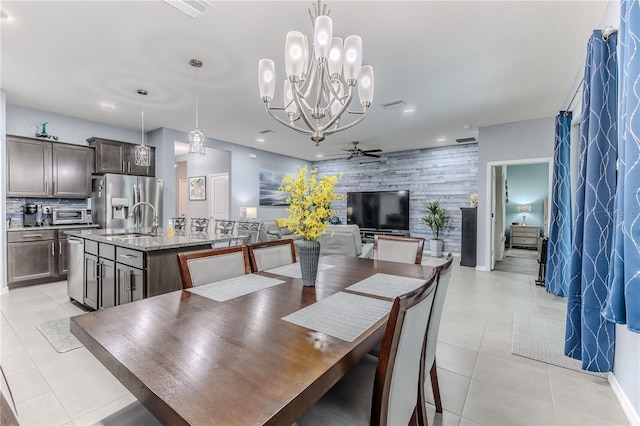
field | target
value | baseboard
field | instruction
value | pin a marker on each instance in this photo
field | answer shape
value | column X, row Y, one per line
column 627, row 406
column 482, row 268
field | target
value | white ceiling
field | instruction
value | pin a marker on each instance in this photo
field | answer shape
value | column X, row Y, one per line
column 458, row 63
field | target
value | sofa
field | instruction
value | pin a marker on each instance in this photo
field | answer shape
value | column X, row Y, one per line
column 344, row 240
column 272, row 230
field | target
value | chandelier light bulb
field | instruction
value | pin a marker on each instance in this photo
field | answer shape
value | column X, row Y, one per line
column 323, row 36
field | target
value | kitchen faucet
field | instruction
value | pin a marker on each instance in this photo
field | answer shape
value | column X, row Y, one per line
column 154, row 225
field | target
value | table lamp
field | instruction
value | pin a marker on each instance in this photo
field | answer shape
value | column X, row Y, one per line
column 524, row 209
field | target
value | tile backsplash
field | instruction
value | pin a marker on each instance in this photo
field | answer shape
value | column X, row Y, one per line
column 15, row 206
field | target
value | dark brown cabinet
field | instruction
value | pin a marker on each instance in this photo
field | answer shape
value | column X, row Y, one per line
column 119, row 157
column 38, row 168
column 31, row 257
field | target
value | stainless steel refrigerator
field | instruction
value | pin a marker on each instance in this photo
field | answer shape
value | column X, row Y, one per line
column 113, row 197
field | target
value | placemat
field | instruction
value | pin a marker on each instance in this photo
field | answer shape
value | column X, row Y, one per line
column 386, row 285
column 224, row 290
column 293, row 270
column 342, row 315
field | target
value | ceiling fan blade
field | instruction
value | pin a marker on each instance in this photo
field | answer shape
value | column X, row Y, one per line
column 372, row 150
column 350, row 157
column 371, row 155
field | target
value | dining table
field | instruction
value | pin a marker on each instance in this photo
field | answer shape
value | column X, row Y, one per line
column 261, row 355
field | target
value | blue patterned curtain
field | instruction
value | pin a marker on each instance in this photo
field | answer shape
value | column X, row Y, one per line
column 559, row 245
column 589, row 336
column 623, row 301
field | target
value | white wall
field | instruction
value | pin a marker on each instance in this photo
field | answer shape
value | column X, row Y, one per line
column 523, row 140
column 3, row 186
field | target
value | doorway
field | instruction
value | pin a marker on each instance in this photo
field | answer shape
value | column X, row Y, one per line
column 519, row 206
column 219, row 196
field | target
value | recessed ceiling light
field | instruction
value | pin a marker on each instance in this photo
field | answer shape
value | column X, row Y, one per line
column 107, row 105
column 442, row 139
column 409, row 110
column 319, row 155
column 260, row 140
column 467, row 126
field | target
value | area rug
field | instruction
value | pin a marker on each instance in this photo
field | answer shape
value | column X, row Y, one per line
column 542, row 339
column 58, row 335
column 522, row 253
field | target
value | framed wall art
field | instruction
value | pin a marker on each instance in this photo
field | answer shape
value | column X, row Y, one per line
column 197, row 188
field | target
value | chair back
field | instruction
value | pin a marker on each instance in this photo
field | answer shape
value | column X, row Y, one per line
column 224, row 226
column 395, row 390
column 271, row 254
column 398, row 249
column 250, row 229
column 179, row 223
column 444, row 274
column 8, row 411
column 199, row 224
column 211, row 265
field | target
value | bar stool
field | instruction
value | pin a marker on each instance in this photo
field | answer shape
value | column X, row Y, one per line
column 199, row 224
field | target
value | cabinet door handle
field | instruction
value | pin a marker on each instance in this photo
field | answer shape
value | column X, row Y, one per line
column 128, row 166
column 46, row 186
column 32, row 236
column 54, row 187
column 53, row 248
column 128, row 256
column 132, row 281
column 123, row 167
column 98, row 275
column 60, row 247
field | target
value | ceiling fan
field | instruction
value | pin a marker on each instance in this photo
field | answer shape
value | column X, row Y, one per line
column 357, row 152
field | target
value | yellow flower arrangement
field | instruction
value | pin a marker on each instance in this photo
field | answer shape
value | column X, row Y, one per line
column 310, row 200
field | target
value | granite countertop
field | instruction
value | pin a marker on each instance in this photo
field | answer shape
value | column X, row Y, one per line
column 149, row 243
column 48, row 227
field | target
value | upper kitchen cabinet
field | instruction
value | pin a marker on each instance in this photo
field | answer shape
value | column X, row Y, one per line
column 37, row 168
column 119, row 157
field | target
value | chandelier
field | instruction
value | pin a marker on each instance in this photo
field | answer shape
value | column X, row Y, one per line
column 142, row 152
column 196, row 136
column 320, row 86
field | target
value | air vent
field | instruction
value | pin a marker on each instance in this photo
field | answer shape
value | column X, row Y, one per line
column 266, row 132
column 465, row 140
column 393, row 104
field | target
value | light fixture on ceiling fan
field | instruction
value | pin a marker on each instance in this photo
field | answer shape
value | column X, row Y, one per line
column 196, row 136
column 320, row 86
column 142, row 152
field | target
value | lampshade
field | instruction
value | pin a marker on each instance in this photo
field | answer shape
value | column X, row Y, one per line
column 365, row 85
column 322, row 36
column 266, row 78
column 523, row 208
column 352, row 57
column 335, row 57
column 251, row 212
column 294, row 54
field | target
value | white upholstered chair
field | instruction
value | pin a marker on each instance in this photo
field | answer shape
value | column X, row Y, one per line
column 398, row 249
column 429, row 354
column 383, row 390
column 8, row 411
column 208, row 266
column 134, row 414
column 271, row 254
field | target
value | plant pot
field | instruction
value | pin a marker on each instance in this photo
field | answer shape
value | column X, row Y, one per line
column 436, row 248
column 309, row 255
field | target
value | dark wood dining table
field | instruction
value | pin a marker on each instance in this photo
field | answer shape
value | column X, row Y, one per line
column 191, row 360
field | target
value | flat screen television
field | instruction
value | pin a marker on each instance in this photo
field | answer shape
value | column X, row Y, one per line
column 379, row 210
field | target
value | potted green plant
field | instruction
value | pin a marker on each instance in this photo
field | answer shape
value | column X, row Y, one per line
column 438, row 220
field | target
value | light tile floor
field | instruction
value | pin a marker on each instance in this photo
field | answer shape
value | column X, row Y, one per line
column 481, row 382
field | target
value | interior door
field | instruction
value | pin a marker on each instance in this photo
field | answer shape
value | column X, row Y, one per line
column 219, row 196
column 493, row 218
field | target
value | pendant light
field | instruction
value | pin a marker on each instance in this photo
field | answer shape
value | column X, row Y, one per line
column 142, row 152
column 196, row 136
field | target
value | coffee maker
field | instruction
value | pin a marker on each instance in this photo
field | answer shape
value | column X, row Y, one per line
column 30, row 215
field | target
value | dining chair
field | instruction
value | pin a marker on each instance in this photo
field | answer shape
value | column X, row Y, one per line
column 431, row 340
column 271, row 254
column 383, row 390
column 134, row 414
column 199, row 224
column 224, row 226
column 211, row 265
column 398, row 249
column 8, row 410
column 179, row 223
column 249, row 228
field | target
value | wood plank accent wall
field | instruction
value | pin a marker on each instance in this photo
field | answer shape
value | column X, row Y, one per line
column 449, row 174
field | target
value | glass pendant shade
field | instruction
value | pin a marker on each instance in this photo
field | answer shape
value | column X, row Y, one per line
column 365, row 85
column 290, row 105
column 305, row 67
column 294, row 54
column 266, row 78
column 196, row 142
column 335, row 57
column 322, row 36
column 142, row 152
column 352, row 57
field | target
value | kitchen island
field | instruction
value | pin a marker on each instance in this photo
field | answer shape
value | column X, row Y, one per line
column 123, row 265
